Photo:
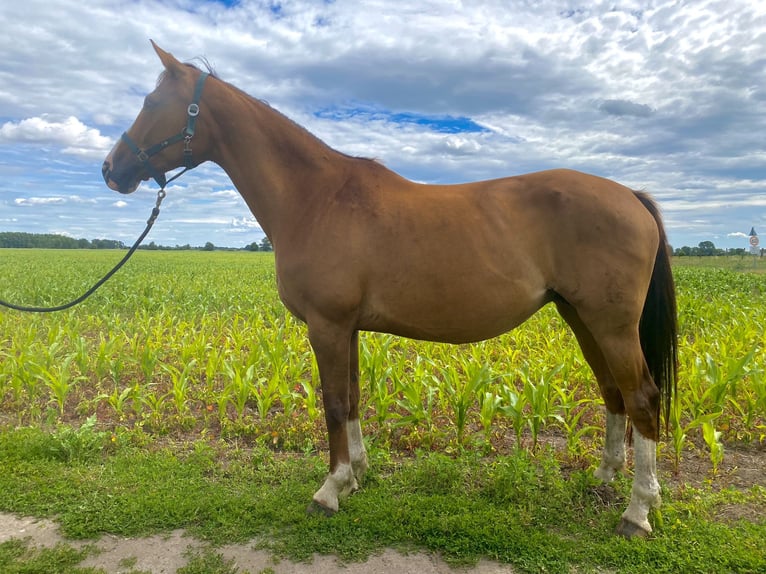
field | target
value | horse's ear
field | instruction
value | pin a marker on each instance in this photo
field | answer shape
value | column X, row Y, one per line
column 168, row 60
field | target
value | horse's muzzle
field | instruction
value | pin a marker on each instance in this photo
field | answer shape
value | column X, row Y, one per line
column 113, row 183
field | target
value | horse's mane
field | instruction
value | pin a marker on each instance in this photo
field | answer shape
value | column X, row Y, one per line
column 209, row 69
column 296, row 124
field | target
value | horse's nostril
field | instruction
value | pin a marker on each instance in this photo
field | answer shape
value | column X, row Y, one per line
column 105, row 169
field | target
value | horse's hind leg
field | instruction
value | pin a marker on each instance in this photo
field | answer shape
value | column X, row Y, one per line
column 645, row 493
column 356, row 450
column 627, row 387
column 625, row 358
column 613, row 456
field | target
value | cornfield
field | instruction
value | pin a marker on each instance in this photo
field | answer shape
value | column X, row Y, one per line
column 198, row 343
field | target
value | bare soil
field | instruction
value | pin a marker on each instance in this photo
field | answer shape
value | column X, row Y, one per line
column 165, row 554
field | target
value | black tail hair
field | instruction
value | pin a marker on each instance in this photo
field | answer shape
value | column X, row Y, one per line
column 658, row 328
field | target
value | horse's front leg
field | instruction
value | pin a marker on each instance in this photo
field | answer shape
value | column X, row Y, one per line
column 331, row 344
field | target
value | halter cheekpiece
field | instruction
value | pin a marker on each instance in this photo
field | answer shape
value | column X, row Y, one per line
column 185, row 135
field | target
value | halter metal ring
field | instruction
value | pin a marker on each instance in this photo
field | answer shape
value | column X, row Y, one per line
column 193, row 110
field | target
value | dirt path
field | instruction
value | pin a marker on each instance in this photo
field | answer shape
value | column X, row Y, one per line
column 165, row 554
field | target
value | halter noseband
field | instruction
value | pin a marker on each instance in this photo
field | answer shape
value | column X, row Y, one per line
column 185, row 135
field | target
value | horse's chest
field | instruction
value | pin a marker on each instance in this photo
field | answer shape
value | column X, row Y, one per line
column 291, row 298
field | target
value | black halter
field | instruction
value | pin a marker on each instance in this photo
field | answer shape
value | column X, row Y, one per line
column 186, row 136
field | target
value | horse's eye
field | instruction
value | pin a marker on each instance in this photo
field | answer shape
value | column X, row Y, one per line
column 149, row 101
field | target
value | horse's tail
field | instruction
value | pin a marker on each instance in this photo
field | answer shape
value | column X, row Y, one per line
column 658, row 328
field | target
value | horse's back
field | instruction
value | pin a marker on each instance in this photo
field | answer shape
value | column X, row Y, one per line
column 548, row 219
column 467, row 262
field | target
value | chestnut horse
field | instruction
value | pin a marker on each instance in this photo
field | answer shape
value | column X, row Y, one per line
column 359, row 247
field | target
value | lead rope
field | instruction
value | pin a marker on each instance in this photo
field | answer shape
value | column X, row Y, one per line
column 192, row 111
column 149, row 223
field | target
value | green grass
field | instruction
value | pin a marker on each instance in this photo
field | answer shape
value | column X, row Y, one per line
column 17, row 557
column 208, row 562
column 183, row 395
column 521, row 509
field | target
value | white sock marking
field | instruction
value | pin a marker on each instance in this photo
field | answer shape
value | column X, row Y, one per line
column 356, row 450
column 337, row 485
column 613, row 457
column 645, row 494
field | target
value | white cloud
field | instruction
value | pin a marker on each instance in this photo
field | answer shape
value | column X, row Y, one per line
column 75, row 137
column 201, row 220
column 245, row 223
column 226, row 194
column 39, row 200
column 461, row 145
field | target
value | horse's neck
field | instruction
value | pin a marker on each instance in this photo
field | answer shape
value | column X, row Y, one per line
column 274, row 163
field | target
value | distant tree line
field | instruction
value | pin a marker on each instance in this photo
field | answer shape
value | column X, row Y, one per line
column 18, row 239
column 708, row 248
column 264, row 245
column 52, row 241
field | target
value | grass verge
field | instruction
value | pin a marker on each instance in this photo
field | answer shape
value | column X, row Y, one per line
column 519, row 509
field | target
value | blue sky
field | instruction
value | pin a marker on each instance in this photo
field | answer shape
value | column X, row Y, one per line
column 664, row 96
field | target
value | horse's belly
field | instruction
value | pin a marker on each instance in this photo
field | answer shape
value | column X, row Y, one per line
column 451, row 317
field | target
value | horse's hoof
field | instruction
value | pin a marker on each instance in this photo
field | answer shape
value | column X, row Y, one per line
column 627, row 529
column 317, row 508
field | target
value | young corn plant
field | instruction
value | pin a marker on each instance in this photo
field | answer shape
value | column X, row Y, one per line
column 266, row 393
column 104, row 352
column 512, row 405
column 376, row 369
column 461, row 389
column 81, row 355
column 417, row 395
column 157, row 405
column 181, row 383
column 5, row 374
column 489, row 405
column 118, row 400
column 286, row 365
column 575, row 430
column 60, row 381
column 713, row 440
column 237, row 388
column 213, row 366
column 678, row 432
column 723, row 380
column 569, row 411
column 22, row 379
column 539, row 398
column 759, row 403
column 148, row 360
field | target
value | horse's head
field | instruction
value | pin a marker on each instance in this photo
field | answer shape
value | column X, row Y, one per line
column 160, row 138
